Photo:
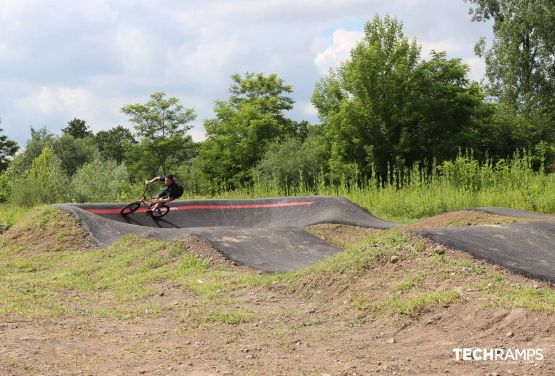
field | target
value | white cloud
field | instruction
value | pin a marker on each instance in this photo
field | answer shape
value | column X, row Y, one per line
column 342, row 43
column 98, row 11
column 63, row 59
column 75, row 99
column 248, row 12
column 51, row 100
column 45, row 100
column 11, row 9
column 309, row 109
column 477, row 68
column 135, row 51
column 452, row 47
column 198, row 133
column 3, row 48
column 204, row 62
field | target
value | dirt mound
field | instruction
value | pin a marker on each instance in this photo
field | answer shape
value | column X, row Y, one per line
column 462, row 218
column 46, row 229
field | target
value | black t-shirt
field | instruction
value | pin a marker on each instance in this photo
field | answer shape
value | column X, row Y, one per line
column 174, row 191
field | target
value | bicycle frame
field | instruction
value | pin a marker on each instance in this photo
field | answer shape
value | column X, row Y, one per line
column 161, row 210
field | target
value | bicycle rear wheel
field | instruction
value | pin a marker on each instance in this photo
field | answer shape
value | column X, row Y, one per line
column 160, row 212
column 130, row 209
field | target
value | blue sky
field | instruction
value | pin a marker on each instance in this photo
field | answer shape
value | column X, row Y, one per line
column 63, row 59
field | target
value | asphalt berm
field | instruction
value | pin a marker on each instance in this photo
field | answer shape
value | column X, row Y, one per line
column 267, row 234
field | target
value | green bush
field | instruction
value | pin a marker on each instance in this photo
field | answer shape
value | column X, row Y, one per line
column 45, row 182
column 292, row 165
column 194, row 179
column 99, row 180
column 5, row 188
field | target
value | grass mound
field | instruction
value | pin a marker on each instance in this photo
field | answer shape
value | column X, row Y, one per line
column 45, row 229
column 395, row 273
column 390, row 273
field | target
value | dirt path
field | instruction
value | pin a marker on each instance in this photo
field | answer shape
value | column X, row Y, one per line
column 287, row 336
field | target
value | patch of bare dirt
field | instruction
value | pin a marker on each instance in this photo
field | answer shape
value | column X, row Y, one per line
column 301, row 343
column 339, row 235
column 462, row 218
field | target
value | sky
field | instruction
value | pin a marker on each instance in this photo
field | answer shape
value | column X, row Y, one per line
column 61, row 59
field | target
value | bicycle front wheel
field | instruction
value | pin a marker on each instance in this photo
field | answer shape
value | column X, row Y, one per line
column 130, row 209
column 161, row 211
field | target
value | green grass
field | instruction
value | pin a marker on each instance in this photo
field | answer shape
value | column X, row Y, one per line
column 409, row 282
column 11, row 214
column 409, row 305
column 498, row 292
column 414, row 202
column 122, row 273
column 117, row 281
column 408, row 194
column 358, row 257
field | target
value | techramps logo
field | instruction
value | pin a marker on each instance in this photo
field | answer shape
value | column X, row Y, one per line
column 498, row 355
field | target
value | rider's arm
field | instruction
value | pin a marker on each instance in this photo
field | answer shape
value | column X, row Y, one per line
column 153, row 180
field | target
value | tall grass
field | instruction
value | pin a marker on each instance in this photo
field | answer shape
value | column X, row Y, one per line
column 416, row 192
column 407, row 193
column 10, row 215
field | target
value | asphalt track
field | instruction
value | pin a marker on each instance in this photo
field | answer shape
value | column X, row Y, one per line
column 267, row 234
column 527, row 248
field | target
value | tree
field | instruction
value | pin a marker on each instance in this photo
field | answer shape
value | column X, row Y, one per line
column 361, row 104
column 520, row 65
column 73, row 152
column 446, row 112
column 161, row 124
column 292, row 164
column 8, row 148
column 77, row 128
column 386, row 107
column 245, row 123
column 23, row 161
column 115, row 143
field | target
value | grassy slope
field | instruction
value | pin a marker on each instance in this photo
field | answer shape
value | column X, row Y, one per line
column 48, row 269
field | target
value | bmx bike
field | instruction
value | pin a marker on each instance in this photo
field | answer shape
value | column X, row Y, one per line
column 149, row 204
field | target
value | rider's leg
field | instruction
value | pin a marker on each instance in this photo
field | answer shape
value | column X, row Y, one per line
column 157, row 205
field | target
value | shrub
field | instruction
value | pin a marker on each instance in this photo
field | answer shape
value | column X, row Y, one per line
column 292, row 164
column 99, row 180
column 4, row 188
column 45, row 182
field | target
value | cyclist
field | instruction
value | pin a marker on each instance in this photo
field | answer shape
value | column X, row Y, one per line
column 168, row 194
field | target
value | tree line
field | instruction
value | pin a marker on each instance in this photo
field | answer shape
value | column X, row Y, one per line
column 386, row 106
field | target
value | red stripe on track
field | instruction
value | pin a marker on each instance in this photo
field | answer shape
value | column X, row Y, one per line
column 210, row 207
